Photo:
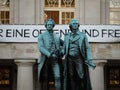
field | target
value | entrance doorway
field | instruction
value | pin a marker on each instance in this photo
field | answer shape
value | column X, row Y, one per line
column 112, row 75
column 8, row 75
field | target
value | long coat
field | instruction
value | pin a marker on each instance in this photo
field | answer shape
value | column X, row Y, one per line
column 84, row 49
column 44, row 47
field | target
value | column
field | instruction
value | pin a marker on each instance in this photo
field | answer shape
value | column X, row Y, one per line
column 25, row 74
column 41, row 11
column 97, row 75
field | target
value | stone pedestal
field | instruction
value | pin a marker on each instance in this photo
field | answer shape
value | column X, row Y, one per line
column 25, row 74
column 97, row 75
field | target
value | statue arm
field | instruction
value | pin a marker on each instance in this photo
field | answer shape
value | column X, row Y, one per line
column 64, row 47
column 88, row 55
column 61, row 42
column 41, row 46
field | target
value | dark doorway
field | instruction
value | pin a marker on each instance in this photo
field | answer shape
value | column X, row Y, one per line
column 112, row 75
column 7, row 75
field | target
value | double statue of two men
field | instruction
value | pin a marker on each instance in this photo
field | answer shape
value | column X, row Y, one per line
column 72, row 74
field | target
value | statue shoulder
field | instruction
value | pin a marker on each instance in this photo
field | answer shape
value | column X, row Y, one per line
column 82, row 33
column 41, row 35
column 66, row 34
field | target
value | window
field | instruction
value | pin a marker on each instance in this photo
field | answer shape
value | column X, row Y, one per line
column 66, row 16
column 68, row 3
column 4, row 12
column 51, row 3
column 114, row 12
column 59, row 10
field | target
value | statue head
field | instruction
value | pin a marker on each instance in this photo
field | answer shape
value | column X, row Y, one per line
column 49, row 24
column 74, row 25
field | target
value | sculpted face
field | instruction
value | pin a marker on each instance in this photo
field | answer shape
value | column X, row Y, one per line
column 74, row 25
column 49, row 25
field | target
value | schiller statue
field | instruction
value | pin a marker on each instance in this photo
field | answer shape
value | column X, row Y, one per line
column 77, row 59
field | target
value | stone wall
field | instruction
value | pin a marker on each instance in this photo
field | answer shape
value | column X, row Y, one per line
column 30, row 50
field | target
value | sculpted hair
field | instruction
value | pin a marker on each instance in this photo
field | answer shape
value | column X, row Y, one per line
column 48, row 21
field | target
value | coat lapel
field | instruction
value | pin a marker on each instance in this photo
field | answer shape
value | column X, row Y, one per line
column 46, row 38
column 56, row 41
column 67, row 43
column 76, row 38
column 81, row 42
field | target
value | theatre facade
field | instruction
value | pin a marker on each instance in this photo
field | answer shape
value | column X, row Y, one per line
column 21, row 21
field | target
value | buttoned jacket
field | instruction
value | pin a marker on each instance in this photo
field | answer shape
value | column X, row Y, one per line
column 44, row 47
column 84, row 47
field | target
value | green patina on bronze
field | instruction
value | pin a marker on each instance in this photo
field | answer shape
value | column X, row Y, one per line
column 77, row 59
column 50, row 62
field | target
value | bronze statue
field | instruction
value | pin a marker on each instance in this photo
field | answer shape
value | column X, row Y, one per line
column 50, row 62
column 77, row 59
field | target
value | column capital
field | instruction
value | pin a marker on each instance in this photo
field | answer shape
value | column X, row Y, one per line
column 100, row 62
column 25, row 62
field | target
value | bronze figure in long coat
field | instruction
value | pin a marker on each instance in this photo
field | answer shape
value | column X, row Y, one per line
column 49, row 63
column 77, row 59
